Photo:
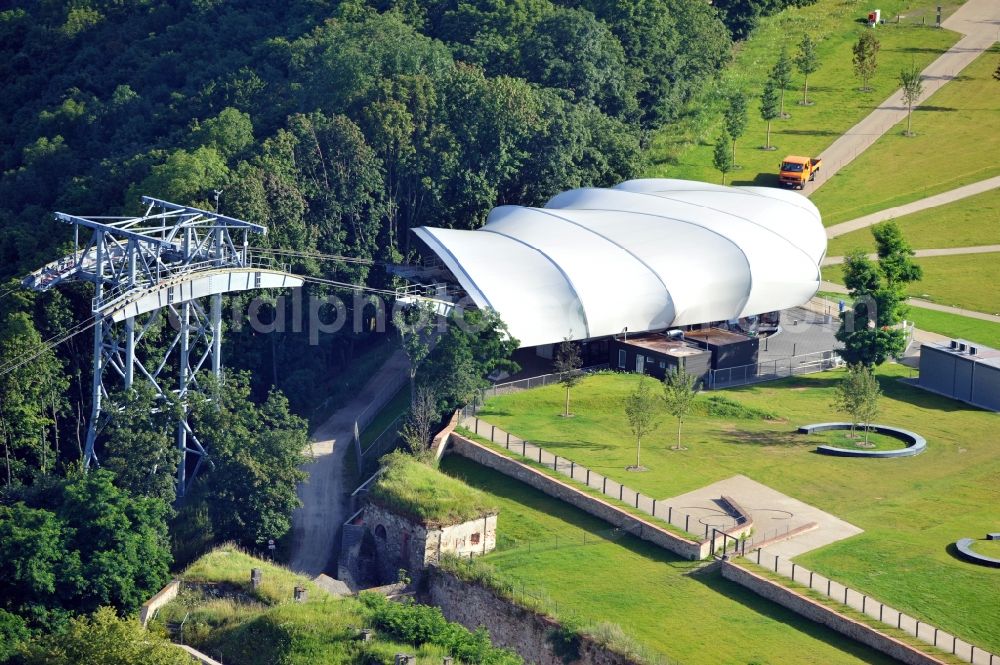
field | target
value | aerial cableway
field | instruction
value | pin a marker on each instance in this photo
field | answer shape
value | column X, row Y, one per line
column 174, row 261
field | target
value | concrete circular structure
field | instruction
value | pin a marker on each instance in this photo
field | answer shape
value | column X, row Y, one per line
column 965, row 551
column 915, row 444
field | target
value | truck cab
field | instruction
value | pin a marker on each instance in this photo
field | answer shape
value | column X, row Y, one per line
column 796, row 171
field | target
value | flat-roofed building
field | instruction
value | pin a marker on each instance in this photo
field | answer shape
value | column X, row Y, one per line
column 962, row 370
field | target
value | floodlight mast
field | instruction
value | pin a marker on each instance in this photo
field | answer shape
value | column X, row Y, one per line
column 165, row 260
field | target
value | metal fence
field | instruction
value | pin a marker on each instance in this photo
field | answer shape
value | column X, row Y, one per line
column 698, row 526
column 382, row 444
column 534, row 382
column 365, row 418
column 875, row 609
column 770, row 370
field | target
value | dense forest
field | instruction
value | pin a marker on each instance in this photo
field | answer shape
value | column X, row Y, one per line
column 339, row 126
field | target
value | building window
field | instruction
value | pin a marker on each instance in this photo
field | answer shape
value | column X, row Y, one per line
column 663, row 365
column 621, row 358
column 474, row 539
column 380, row 532
column 640, row 366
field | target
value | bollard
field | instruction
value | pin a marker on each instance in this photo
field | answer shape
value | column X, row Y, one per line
column 810, row 579
column 508, row 440
column 256, row 575
column 864, row 599
column 539, row 455
column 621, row 492
column 687, row 522
column 828, row 589
column 572, row 470
column 654, row 508
column 775, row 563
column 493, row 431
column 793, row 571
column 637, row 495
column 366, row 634
column 604, row 486
column 917, row 631
column 880, row 608
column 845, row 595
column 670, row 513
column 935, row 636
column 588, row 477
column 476, row 427
column 300, row 594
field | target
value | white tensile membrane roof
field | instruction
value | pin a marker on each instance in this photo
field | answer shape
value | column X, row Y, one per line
column 644, row 255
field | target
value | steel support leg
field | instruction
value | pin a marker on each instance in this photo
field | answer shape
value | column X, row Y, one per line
column 217, row 335
column 95, row 391
column 129, row 351
column 185, row 323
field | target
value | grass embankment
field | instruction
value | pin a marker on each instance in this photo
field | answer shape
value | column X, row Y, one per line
column 911, row 509
column 850, row 612
column 683, row 149
column 422, row 492
column 958, row 281
column 218, row 613
column 956, row 144
column 568, row 563
column 966, row 223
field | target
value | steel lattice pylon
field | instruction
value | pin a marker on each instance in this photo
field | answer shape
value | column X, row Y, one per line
column 163, row 262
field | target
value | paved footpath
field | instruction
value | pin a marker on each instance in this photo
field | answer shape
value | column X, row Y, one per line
column 920, row 253
column 978, row 21
column 831, row 287
column 315, row 523
column 922, row 204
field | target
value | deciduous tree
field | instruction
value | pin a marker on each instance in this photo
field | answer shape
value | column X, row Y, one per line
column 722, row 156
column 641, row 412
column 858, row 395
column 781, row 73
column 679, row 392
column 807, row 62
column 769, row 109
column 912, row 86
column 567, row 364
column 103, row 638
column 866, row 57
column 736, row 118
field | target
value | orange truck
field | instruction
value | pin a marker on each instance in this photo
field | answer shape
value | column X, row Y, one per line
column 796, row 171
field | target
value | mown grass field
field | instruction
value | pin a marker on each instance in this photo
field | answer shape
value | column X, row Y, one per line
column 963, row 280
column 967, row 223
column 666, row 603
column 683, row 149
column 911, row 509
column 957, row 143
column 953, row 325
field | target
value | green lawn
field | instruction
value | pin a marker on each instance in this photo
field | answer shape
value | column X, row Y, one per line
column 683, row 149
column 666, row 603
column 416, row 489
column 987, row 548
column 957, row 143
column 842, row 439
column 958, row 281
column 911, row 509
column 226, row 620
column 953, row 325
column 966, row 223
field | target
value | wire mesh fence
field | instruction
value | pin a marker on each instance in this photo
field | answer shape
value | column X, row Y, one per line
column 875, row 609
column 771, row 370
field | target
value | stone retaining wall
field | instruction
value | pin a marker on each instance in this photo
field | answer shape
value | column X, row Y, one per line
column 826, row 616
column 162, row 597
column 590, row 504
column 511, row 626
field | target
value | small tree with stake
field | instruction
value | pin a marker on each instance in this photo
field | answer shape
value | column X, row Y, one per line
column 679, row 392
column 736, row 118
column 567, row 364
column 640, row 409
column 807, row 62
column 912, row 85
column 866, row 58
column 722, row 158
column 782, row 75
column 858, row 395
column 769, row 108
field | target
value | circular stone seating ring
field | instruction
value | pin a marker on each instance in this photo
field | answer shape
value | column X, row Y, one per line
column 964, row 547
column 915, row 444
